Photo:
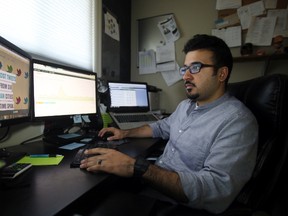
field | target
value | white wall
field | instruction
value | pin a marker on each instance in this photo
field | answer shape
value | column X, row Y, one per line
column 192, row 17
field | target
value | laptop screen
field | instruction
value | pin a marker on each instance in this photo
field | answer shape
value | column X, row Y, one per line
column 128, row 97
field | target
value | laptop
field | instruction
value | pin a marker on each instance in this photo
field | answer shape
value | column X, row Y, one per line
column 129, row 104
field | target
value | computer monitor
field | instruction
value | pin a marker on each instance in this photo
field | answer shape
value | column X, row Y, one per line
column 60, row 91
column 15, row 66
column 128, row 96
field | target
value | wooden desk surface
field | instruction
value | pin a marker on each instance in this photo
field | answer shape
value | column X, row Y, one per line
column 46, row 190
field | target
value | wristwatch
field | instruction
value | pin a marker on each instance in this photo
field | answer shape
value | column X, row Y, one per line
column 140, row 167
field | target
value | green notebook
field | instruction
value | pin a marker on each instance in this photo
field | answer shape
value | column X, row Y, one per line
column 41, row 161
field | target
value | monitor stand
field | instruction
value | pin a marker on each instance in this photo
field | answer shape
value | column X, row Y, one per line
column 63, row 138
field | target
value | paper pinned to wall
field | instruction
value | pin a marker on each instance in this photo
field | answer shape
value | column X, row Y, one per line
column 171, row 77
column 169, row 30
column 232, row 35
column 228, row 4
column 270, row 3
column 261, row 31
column 230, row 20
column 247, row 12
column 111, row 26
column 281, row 27
column 162, row 61
column 147, row 62
column 165, row 57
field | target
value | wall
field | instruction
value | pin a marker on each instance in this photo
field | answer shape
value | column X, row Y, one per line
column 116, row 54
column 192, row 17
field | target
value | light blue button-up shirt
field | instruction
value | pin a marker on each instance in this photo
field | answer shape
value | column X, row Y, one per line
column 213, row 149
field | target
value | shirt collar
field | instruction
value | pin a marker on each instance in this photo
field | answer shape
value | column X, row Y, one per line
column 211, row 104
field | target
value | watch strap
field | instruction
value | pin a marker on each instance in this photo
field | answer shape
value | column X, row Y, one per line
column 140, row 167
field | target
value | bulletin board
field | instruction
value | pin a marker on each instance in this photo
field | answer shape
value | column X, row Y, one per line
column 262, row 31
column 281, row 4
column 149, row 36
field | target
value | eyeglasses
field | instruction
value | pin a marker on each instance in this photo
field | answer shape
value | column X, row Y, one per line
column 194, row 68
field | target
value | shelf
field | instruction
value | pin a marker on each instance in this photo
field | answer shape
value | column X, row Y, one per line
column 260, row 58
column 265, row 58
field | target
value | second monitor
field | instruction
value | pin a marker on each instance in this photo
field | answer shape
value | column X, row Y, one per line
column 60, row 91
column 62, row 97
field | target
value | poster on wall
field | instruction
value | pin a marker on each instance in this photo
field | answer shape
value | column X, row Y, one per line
column 111, row 26
column 169, row 30
column 110, row 45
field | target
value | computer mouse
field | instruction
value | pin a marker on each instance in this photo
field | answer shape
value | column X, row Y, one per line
column 106, row 135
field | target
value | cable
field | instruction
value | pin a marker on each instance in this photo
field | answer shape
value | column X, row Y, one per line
column 33, row 138
column 5, row 134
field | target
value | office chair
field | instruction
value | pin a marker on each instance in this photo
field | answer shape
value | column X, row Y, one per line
column 267, row 98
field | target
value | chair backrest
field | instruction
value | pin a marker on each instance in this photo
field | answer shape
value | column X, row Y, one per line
column 267, row 98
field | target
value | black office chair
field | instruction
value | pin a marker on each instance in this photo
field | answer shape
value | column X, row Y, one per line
column 267, row 98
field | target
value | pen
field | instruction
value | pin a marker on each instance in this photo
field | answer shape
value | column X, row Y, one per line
column 44, row 155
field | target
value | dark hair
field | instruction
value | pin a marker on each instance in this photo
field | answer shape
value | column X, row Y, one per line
column 221, row 53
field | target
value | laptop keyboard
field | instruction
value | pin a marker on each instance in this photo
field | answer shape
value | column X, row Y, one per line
column 135, row 118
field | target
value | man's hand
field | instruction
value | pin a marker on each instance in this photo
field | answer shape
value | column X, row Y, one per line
column 117, row 133
column 109, row 161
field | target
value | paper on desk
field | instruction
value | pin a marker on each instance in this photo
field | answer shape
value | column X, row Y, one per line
column 72, row 146
column 41, row 161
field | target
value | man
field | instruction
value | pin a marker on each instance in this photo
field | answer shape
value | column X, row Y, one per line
column 212, row 137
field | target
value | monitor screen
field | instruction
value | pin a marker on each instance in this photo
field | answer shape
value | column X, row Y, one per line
column 128, row 94
column 15, row 66
column 61, row 91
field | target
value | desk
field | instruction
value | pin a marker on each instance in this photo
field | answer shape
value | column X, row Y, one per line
column 47, row 190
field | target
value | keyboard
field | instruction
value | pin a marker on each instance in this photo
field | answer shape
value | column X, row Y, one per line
column 135, row 118
column 113, row 144
column 13, row 170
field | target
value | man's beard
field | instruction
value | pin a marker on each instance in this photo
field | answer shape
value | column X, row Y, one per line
column 192, row 97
